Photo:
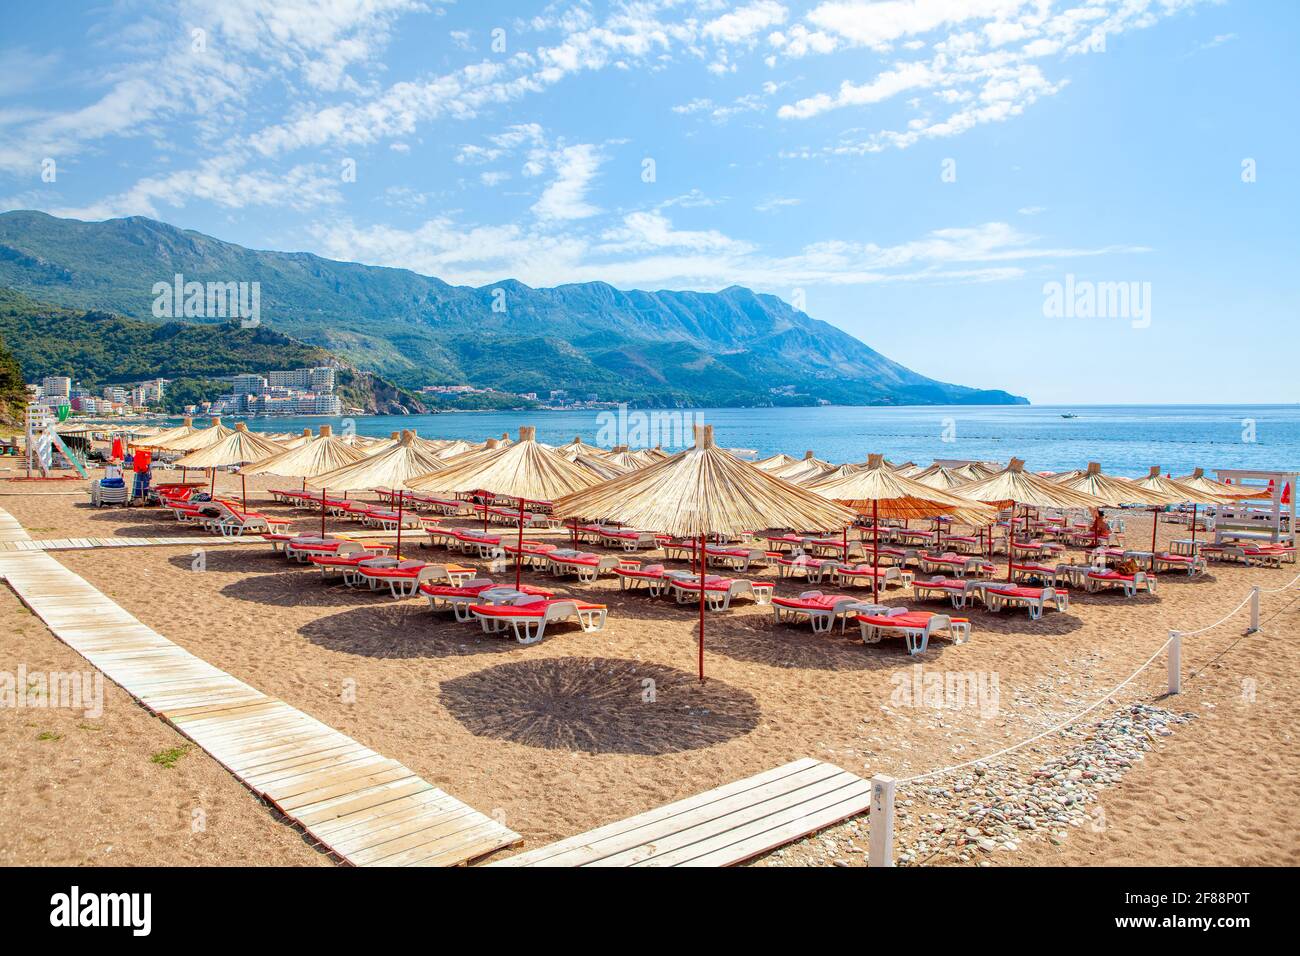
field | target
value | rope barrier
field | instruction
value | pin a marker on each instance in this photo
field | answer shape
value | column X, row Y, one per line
column 1045, row 733
column 1249, row 598
column 1118, row 687
column 1286, row 587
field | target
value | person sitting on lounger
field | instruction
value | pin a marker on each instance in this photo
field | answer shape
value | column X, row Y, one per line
column 1100, row 527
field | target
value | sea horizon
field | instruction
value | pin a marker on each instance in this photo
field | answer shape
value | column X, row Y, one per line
column 1127, row 439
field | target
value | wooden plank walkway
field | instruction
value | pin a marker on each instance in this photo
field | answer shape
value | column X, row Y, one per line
column 72, row 544
column 364, row 807
column 25, row 543
column 722, row 827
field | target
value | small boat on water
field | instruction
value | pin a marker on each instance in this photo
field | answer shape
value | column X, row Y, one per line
column 1068, row 415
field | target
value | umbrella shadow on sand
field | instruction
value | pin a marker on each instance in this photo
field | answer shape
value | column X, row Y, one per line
column 399, row 630
column 599, row 705
column 290, row 588
column 230, row 560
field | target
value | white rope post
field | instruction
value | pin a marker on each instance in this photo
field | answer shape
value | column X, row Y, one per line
column 1175, row 662
column 1254, row 610
column 880, row 850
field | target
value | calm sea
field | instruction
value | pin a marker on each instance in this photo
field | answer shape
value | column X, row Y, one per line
column 1126, row 439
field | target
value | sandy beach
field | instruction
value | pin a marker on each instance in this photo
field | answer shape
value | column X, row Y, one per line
column 560, row 737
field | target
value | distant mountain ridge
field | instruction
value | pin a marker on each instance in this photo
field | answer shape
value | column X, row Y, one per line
column 734, row 347
column 98, row 348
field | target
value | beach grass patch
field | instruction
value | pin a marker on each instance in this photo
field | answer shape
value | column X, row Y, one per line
column 169, row 758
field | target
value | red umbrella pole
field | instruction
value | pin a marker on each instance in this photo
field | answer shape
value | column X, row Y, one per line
column 575, row 534
column 1155, row 521
column 519, row 554
column 704, row 564
column 1194, row 506
column 400, row 496
column 243, row 489
column 875, row 551
column 1011, row 541
column 322, row 512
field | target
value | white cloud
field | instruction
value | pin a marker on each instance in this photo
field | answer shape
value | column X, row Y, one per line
column 565, row 197
column 746, row 22
column 645, row 250
column 770, row 205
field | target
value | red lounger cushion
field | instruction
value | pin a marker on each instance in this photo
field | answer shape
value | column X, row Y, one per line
column 446, row 590
column 337, row 561
column 1113, row 576
column 711, row 586
column 823, row 603
column 392, row 572
column 911, row 619
column 536, row 609
column 1023, row 592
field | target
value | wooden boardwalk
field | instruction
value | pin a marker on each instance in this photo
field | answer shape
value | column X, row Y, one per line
column 722, row 827
column 73, row 544
column 364, row 807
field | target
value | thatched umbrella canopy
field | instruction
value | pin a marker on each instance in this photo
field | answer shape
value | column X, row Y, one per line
column 1198, row 482
column 701, row 491
column 523, row 469
column 292, row 441
column 625, row 460
column 848, row 468
column 162, row 439
column 775, row 462
column 1178, row 493
column 393, row 468
column 238, row 448
column 879, row 490
column 380, row 445
column 601, row 467
column 1114, row 491
column 526, row 470
column 805, row 471
column 937, row 476
column 1013, row 485
column 976, row 470
column 198, row 438
column 454, row 449
column 578, row 447
column 317, row 456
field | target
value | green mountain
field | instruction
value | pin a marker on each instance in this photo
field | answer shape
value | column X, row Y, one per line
column 734, row 347
column 98, row 348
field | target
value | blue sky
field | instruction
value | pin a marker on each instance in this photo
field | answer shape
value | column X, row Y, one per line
column 916, row 172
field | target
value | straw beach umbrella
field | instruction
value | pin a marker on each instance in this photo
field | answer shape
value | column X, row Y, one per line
column 1013, row 485
column 393, row 468
column 880, row 490
column 198, row 438
column 526, row 470
column 1178, row 493
column 937, row 476
column 804, row 471
column 1114, row 491
column 1198, row 482
column 702, row 491
column 319, row 455
column 577, row 448
column 162, row 440
column 238, row 448
column 775, row 462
